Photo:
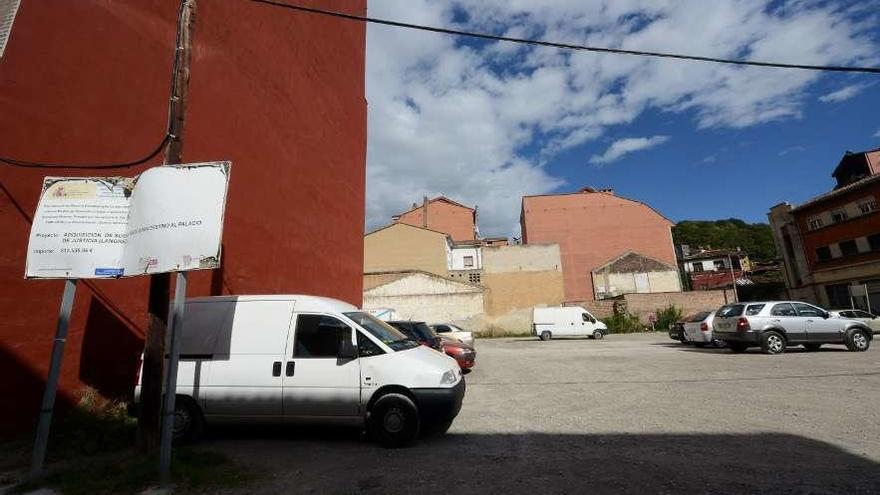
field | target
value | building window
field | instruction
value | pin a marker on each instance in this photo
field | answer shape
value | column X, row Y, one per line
column 838, row 216
column 823, row 253
column 814, row 223
column 838, row 295
column 698, row 267
column 474, row 278
column 849, row 248
column 874, row 242
column 719, row 265
column 867, row 205
column 468, row 261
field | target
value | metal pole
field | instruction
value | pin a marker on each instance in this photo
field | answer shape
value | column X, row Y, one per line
column 48, row 406
column 868, row 299
column 733, row 279
column 171, row 380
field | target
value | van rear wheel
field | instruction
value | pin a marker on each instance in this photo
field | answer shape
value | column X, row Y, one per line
column 394, row 421
column 545, row 335
column 188, row 421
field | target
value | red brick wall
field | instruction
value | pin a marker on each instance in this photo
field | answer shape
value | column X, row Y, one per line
column 593, row 228
column 444, row 217
column 280, row 94
column 850, row 229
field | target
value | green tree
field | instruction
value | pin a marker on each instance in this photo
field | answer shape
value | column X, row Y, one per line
column 756, row 239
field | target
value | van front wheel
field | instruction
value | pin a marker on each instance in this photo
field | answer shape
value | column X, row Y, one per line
column 394, row 421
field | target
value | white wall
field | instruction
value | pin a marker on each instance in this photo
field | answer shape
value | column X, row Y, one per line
column 459, row 253
column 427, row 298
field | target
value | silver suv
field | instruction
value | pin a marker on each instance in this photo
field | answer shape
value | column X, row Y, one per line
column 773, row 325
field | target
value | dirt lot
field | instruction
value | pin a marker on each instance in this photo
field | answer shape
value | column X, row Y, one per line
column 630, row 414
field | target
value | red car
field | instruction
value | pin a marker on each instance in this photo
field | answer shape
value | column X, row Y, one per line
column 463, row 354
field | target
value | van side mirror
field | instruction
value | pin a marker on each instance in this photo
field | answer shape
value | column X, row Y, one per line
column 346, row 350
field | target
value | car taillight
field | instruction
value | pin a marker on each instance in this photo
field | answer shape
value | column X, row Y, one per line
column 742, row 324
column 704, row 327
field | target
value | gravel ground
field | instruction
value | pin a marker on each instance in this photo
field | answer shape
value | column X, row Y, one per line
column 629, row 414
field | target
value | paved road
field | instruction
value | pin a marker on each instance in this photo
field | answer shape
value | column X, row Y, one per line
column 629, row 414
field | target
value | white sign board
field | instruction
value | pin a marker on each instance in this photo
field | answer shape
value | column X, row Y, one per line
column 168, row 218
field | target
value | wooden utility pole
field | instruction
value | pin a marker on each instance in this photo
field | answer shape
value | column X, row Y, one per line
column 149, row 420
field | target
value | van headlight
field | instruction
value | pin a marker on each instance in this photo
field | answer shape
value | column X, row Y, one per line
column 448, row 378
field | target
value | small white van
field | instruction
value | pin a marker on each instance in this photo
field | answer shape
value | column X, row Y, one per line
column 566, row 321
column 306, row 359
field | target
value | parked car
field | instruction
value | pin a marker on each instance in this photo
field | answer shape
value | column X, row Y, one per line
column 566, row 321
column 697, row 329
column 676, row 332
column 870, row 319
column 298, row 358
column 463, row 354
column 774, row 325
column 455, row 332
column 418, row 331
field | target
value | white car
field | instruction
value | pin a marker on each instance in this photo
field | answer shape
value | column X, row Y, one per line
column 698, row 329
column 566, row 321
column 857, row 314
column 306, row 359
column 454, row 332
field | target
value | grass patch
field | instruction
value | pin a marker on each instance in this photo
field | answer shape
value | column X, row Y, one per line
column 496, row 332
column 130, row 473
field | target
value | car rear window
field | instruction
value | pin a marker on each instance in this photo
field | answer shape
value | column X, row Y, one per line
column 731, row 310
column 699, row 316
column 754, row 309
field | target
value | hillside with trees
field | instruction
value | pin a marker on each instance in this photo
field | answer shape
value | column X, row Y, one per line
column 755, row 239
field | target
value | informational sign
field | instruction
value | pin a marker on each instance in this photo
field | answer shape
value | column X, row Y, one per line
column 168, row 218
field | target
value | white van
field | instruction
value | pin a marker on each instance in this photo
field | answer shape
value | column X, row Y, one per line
column 300, row 359
column 566, row 321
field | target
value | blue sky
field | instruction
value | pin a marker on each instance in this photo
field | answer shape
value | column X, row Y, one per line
column 486, row 123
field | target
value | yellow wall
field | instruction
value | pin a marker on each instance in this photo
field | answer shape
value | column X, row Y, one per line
column 517, row 290
column 403, row 247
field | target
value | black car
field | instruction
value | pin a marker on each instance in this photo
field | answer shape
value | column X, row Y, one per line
column 676, row 332
column 420, row 332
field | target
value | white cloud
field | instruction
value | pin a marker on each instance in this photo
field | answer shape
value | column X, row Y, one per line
column 626, row 146
column 710, row 159
column 843, row 94
column 791, row 149
column 877, row 134
column 478, row 121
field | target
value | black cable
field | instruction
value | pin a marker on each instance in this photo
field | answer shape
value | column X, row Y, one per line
column 568, row 46
column 27, row 164
column 168, row 136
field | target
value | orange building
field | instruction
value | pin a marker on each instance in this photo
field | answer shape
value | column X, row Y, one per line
column 442, row 215
column 278, row 93
column 591, row 227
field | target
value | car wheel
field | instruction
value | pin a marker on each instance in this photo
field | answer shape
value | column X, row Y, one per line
column 812, row 347
column 545, row 335
column 737, row 347
column 857, row 340
column 188, row 420
column 718, row 343
column 772, row 342
column 394, row 421
column 598, row 335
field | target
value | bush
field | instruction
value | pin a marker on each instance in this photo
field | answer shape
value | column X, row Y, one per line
column 666, row 317
column 623, row 323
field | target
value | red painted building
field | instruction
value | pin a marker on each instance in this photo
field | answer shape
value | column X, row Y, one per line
column 279, row 93
column 443, row 215
column 832, row 242
column 592, row 227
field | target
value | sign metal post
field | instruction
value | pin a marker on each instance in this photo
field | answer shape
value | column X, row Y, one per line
column 48, row 404
column 171, row 380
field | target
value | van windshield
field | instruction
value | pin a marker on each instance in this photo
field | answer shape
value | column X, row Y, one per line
column 389, row 335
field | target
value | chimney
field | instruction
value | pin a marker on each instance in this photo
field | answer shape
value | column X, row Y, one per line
column 425, row 212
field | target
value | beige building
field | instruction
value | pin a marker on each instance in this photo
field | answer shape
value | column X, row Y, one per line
column 400, row 246
column 522, row 277
column 423, row 296
column 634, row 273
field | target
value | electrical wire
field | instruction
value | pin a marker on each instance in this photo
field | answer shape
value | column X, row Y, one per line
column 569, row 46
column 165, row 140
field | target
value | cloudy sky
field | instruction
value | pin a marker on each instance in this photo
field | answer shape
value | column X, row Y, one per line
column 488, row 122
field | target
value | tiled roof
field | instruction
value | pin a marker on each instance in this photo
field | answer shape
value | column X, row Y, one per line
column 837, row 192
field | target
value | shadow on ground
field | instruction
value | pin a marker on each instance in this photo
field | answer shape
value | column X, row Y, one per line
column 340, row 461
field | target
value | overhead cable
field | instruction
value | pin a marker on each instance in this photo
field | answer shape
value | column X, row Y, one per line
column 569, row 46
